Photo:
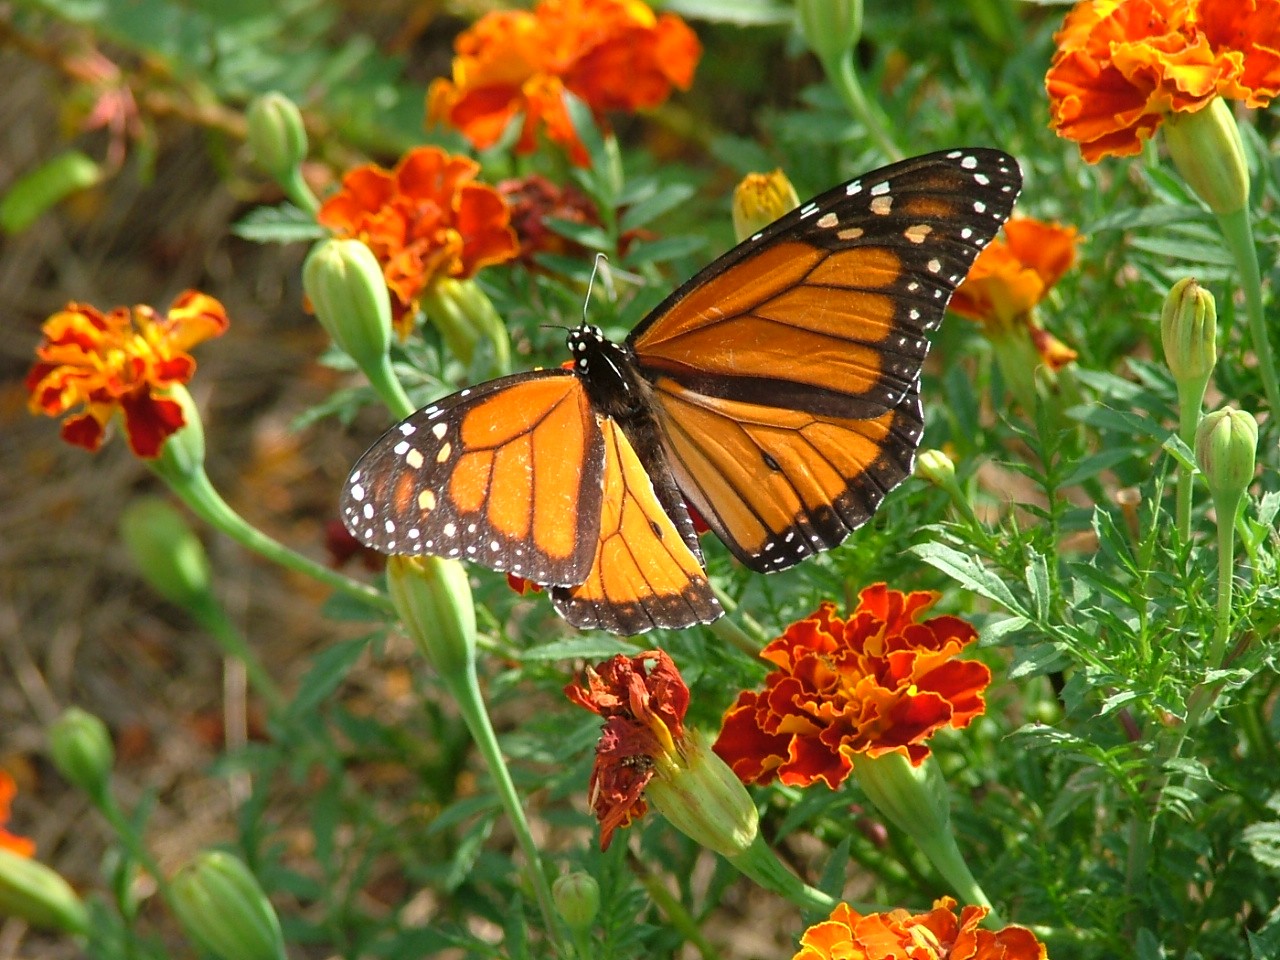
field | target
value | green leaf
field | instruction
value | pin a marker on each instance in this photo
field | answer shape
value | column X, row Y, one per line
column 970, row 573
column 283, row 224
column 36, row 191
column 329, row 668
column 587, row 234
column 659, row 251
column 598, row 647
column 655, row 205
column 1038, row 584
column 742, row 13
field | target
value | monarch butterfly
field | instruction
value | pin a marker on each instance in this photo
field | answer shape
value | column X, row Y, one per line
column 776, row 392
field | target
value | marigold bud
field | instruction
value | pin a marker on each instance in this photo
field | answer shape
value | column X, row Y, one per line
column 830, row 27
column 433, row 598
column 32, row 892
column 277, row 135
column 935, row 467
column 1207, row 150
column 759, row 199
column 577, row 899
column 1226, row 450
column 348, row 292
column 465, row 317
column 704, row 799
column 81, row 749
column 169, row 555
column 222, row 908
column 1188, row 330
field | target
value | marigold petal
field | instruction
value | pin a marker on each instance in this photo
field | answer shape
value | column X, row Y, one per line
column 149, row 420
column 86, row 430
column 193, row 318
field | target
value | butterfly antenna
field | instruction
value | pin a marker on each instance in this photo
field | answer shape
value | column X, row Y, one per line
column 595, row 268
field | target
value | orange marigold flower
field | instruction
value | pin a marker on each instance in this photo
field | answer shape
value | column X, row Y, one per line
column 880, row 682
column 899, row 935
column 1012, row 275
column 1121, row 65
column 423, row 220
column 22, row 846
column 122, row 360
column 643, row 708
column 613, row 54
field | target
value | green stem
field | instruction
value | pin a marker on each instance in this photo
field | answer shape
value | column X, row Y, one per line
column 674, row 911
column 844, row 78
column 1238, row 233
column 728, row 630
column 762, row 865
column 387, row 385
column 211, row 615
column 123, row 828
column 297, row 190
column 1189, row 404
column 1226, row 568
column 466, row 691
column 197, row 492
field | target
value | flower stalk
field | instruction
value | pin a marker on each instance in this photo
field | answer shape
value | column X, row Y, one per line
column 1237, row 231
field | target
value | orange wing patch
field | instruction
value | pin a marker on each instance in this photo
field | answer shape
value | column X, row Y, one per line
column 643, row 574
column 506, row 474
column 779, row 485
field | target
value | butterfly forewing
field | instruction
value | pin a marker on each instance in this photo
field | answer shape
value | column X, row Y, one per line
column 826, row 310
column 507, row 474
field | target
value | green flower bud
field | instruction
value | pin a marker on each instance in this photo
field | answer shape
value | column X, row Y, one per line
column 433, row 598
column 830, row 27
column 181, row 459
column 81, row 749
column 465, row 316
column 1207, row 150
column 935, row 467
column 348, row 292
column 1188, row 330
column 759, row 199
column 1226, row 450
column 577, row 899
column 169, row 555
column 704, row 799
column 32, row 892
column 277, row 135
column 222, row 908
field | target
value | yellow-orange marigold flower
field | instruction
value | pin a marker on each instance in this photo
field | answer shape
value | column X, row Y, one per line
column 22, row 846
column 880, row 682
column 424, row 220
column 899, row 935
column 1012, row 275
column 1121, row 65
column 613, row 54
column 123, row 360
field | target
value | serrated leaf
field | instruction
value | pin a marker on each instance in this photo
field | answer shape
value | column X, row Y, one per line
column 283, row 224
column 659, row 251
column 1038, row 584
column 586, row 234
column 655, row 205
column 577, row 648
column 969, row 572
column 329, row 668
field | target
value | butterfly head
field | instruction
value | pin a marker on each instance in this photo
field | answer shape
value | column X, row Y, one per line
column 608, row 370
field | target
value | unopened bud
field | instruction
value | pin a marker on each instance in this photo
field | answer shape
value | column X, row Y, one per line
column 935, row 467
column 168, row 554
column 81, row 749
column 433, row 598
column 277, row 135
column 704, row 799
column 348, row 292
column 1188, row 330
column 222, row 908
column 1208, row 152
column 577, row 899
column 32, row 892
column 1226, row 450
column 465, row 318
column 830, row 27
column 759, row 199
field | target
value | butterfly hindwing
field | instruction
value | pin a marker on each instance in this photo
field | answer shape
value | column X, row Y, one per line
column 644, row 574
column 827, row 309
column 507, row 474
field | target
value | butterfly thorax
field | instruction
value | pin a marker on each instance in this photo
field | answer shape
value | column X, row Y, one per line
column 609, row 373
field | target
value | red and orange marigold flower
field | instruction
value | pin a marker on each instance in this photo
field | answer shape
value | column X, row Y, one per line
column 22, row 846
column 613, row 54
column 880, row 682
column 642, row 700
column 899, row 935
column 1010, row 278
column 124, row 360
column 425, row 220
column 1122, row 65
